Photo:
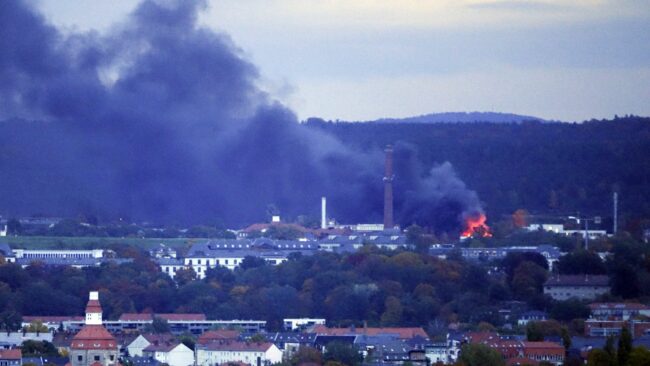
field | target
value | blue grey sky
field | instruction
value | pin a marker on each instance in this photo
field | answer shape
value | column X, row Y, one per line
column 366, row 59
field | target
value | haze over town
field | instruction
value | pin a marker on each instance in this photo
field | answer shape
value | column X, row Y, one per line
column 337, row 183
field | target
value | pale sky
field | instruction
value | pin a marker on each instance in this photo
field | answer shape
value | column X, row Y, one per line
column 366, row 59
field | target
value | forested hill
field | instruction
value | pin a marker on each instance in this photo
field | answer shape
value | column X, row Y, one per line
column 462, row 117
column 541, row 167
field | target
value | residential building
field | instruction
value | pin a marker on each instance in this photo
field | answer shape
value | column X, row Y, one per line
column 219, row 335
column 16, row 339
column 143, row 341
column 582, row 287
column 290, row 342
column 301, row 323
column 53, row 323
column 7, row 253
column 162, row 251
column 516, row 351
column 11, row 357
column 170, row 352
column 438, row 352
column 252, row 353
column 621, row 311
column 531, row 316
column 94, row 345
column 400, row 333
column 606, row 328
column 134, row 322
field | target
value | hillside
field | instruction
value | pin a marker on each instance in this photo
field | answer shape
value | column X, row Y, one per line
column 463, row 117
column 541, row 167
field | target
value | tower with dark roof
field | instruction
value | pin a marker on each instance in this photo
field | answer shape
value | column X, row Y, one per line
column 93, row 345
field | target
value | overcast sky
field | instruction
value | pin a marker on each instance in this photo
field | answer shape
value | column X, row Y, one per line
column 365, row 59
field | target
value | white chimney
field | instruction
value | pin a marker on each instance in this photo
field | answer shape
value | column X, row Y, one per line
column 323, row 213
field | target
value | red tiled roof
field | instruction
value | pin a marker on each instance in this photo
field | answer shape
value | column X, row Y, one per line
column 218, row 335
column 403, row 333
column 11, row 354
column 543, row 348
column 51, row 319
column 482, row 337
column 168, row 317
column 161, row 347
column 239, row 346
column 93, row 337
column 96, row 363
column 93, row 306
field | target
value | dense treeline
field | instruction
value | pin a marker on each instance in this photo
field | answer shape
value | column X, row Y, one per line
column 542, row 167
column 382, row 288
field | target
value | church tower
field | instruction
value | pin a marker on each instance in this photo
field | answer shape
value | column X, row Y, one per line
column 93, row 345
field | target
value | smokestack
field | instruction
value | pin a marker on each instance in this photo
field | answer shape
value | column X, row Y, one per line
column 323, row 213
column 388, row 189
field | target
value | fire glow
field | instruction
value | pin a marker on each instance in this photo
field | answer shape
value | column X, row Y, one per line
column 475, row 226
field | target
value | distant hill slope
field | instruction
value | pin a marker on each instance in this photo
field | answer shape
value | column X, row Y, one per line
column 463, row 117
column 541, row 167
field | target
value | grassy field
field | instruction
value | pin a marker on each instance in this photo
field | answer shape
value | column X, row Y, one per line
column 54, row 242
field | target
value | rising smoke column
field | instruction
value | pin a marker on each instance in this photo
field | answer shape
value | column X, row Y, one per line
column 162, row 120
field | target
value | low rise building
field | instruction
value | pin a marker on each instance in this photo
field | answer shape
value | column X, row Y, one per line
column 252, row 353
column 622, row 311
column 301, row 323
column 170, row 352
column 11, row 357
column 582, row 287
column 143, row 341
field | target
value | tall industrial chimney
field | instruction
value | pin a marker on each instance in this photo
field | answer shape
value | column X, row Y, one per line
column 388, row 189
column 323, row 213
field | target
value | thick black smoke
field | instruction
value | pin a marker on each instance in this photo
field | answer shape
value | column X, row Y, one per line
column 162, row 120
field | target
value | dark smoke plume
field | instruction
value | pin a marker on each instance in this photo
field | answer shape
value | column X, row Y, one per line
column 162, row 120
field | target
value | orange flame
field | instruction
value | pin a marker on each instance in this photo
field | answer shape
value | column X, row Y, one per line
column 475, row 226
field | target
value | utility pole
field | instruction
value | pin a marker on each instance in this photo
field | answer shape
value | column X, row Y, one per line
column 615, row 229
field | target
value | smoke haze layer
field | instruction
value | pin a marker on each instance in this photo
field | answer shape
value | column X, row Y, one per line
column 162, row 120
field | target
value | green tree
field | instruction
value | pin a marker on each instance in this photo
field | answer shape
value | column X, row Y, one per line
column 344, row 353
column 184, row 276
column 188, row 340
column 392, row 316
column 640, row 356
column 306, row 355
column 599, row 357
column 566, row 338
column 480, row 355
column 39, row 349
column 10, row 321
column 159, row 325
column 258, row 338
column 624, row 347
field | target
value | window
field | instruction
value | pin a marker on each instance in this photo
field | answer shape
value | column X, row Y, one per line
column 80, row 358
column 96, row 357
column 112, row 357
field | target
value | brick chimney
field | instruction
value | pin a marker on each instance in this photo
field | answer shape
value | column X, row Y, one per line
column 388, row 189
